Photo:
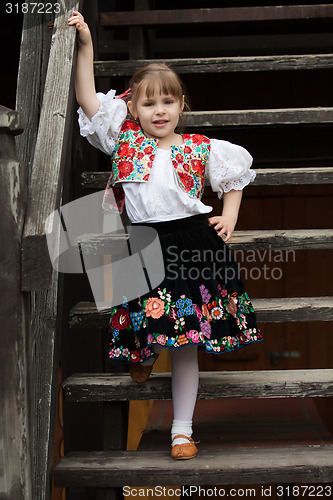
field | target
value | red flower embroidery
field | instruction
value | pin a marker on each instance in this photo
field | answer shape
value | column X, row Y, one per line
column 140, row 156
column 125, row 169
column 186, row 180
column 186, row 167
column 148, row 150
column 125, row 150
column 197, row 166
column 179, row 157
column 135, row 356
column 187, row 150
column 121, row 319
column 197, row 139
column 130, row 125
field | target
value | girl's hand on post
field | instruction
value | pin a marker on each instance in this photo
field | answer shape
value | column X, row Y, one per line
column 84, row 75
column 77, row 20
column 223, row 224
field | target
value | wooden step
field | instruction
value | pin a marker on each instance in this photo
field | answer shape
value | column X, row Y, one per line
column 276, row 310
column 262, row 465
column 269, row 240
column 292, row 176
column 220, row 64
column 265, row 177
column 216, row 15
column 293, row 239
column 251, row 117
column 212, row 385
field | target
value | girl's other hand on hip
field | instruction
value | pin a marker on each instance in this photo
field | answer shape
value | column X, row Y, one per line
column 223, row 225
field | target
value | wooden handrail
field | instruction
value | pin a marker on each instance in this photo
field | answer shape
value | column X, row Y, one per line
column 50, row 152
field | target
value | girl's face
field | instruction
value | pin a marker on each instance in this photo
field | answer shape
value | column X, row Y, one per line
column 158, row 114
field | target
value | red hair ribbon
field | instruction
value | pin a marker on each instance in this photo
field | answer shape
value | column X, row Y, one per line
column 125, row 94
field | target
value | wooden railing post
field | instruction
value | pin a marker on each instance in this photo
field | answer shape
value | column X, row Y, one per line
column 47, row 170
column 45, row 78
column 15, row 353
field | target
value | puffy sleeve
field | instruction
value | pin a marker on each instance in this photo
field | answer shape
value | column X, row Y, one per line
column 228, row 167
column 103, row 130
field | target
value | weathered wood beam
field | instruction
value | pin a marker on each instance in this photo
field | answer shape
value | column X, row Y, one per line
column 276, row 310
column 265, row 177
column 220, row 64
column 262, row 465
column 47, row 170
column 292, row 239
column 212, row 385
column 292, row 176
column 15, row 353
column 34, row 56
column 294, row 309
column 46, row 303
column 251, row 117
column 217, row 15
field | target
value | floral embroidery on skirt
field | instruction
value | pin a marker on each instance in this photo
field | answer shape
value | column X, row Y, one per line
column 201, row 308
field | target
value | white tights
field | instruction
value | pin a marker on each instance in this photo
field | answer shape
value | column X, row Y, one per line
column 185, row 380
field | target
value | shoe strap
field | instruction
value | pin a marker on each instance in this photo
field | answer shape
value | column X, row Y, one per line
column 185, row 437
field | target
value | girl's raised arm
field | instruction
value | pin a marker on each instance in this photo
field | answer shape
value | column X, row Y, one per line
column 84, row 76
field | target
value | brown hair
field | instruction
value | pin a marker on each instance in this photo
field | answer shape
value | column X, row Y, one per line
column 158, row 75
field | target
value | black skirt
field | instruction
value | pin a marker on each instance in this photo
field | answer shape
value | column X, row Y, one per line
column 201, row 301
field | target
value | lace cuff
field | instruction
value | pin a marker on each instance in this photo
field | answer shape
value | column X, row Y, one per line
column 103, row 130
column 229, row 167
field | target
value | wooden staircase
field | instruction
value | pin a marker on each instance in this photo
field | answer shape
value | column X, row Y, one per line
column 115, row 467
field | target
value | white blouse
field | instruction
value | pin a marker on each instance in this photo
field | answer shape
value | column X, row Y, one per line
column 161, row 198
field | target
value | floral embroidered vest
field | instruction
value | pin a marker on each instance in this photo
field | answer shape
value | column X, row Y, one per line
column 133, row 158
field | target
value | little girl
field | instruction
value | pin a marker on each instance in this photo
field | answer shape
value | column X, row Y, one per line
column 159, row 175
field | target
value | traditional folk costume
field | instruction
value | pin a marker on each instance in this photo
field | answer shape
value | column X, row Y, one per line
column 202, row 300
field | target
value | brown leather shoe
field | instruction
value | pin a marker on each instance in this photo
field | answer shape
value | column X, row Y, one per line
column 184, row 451
column 140, row 373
